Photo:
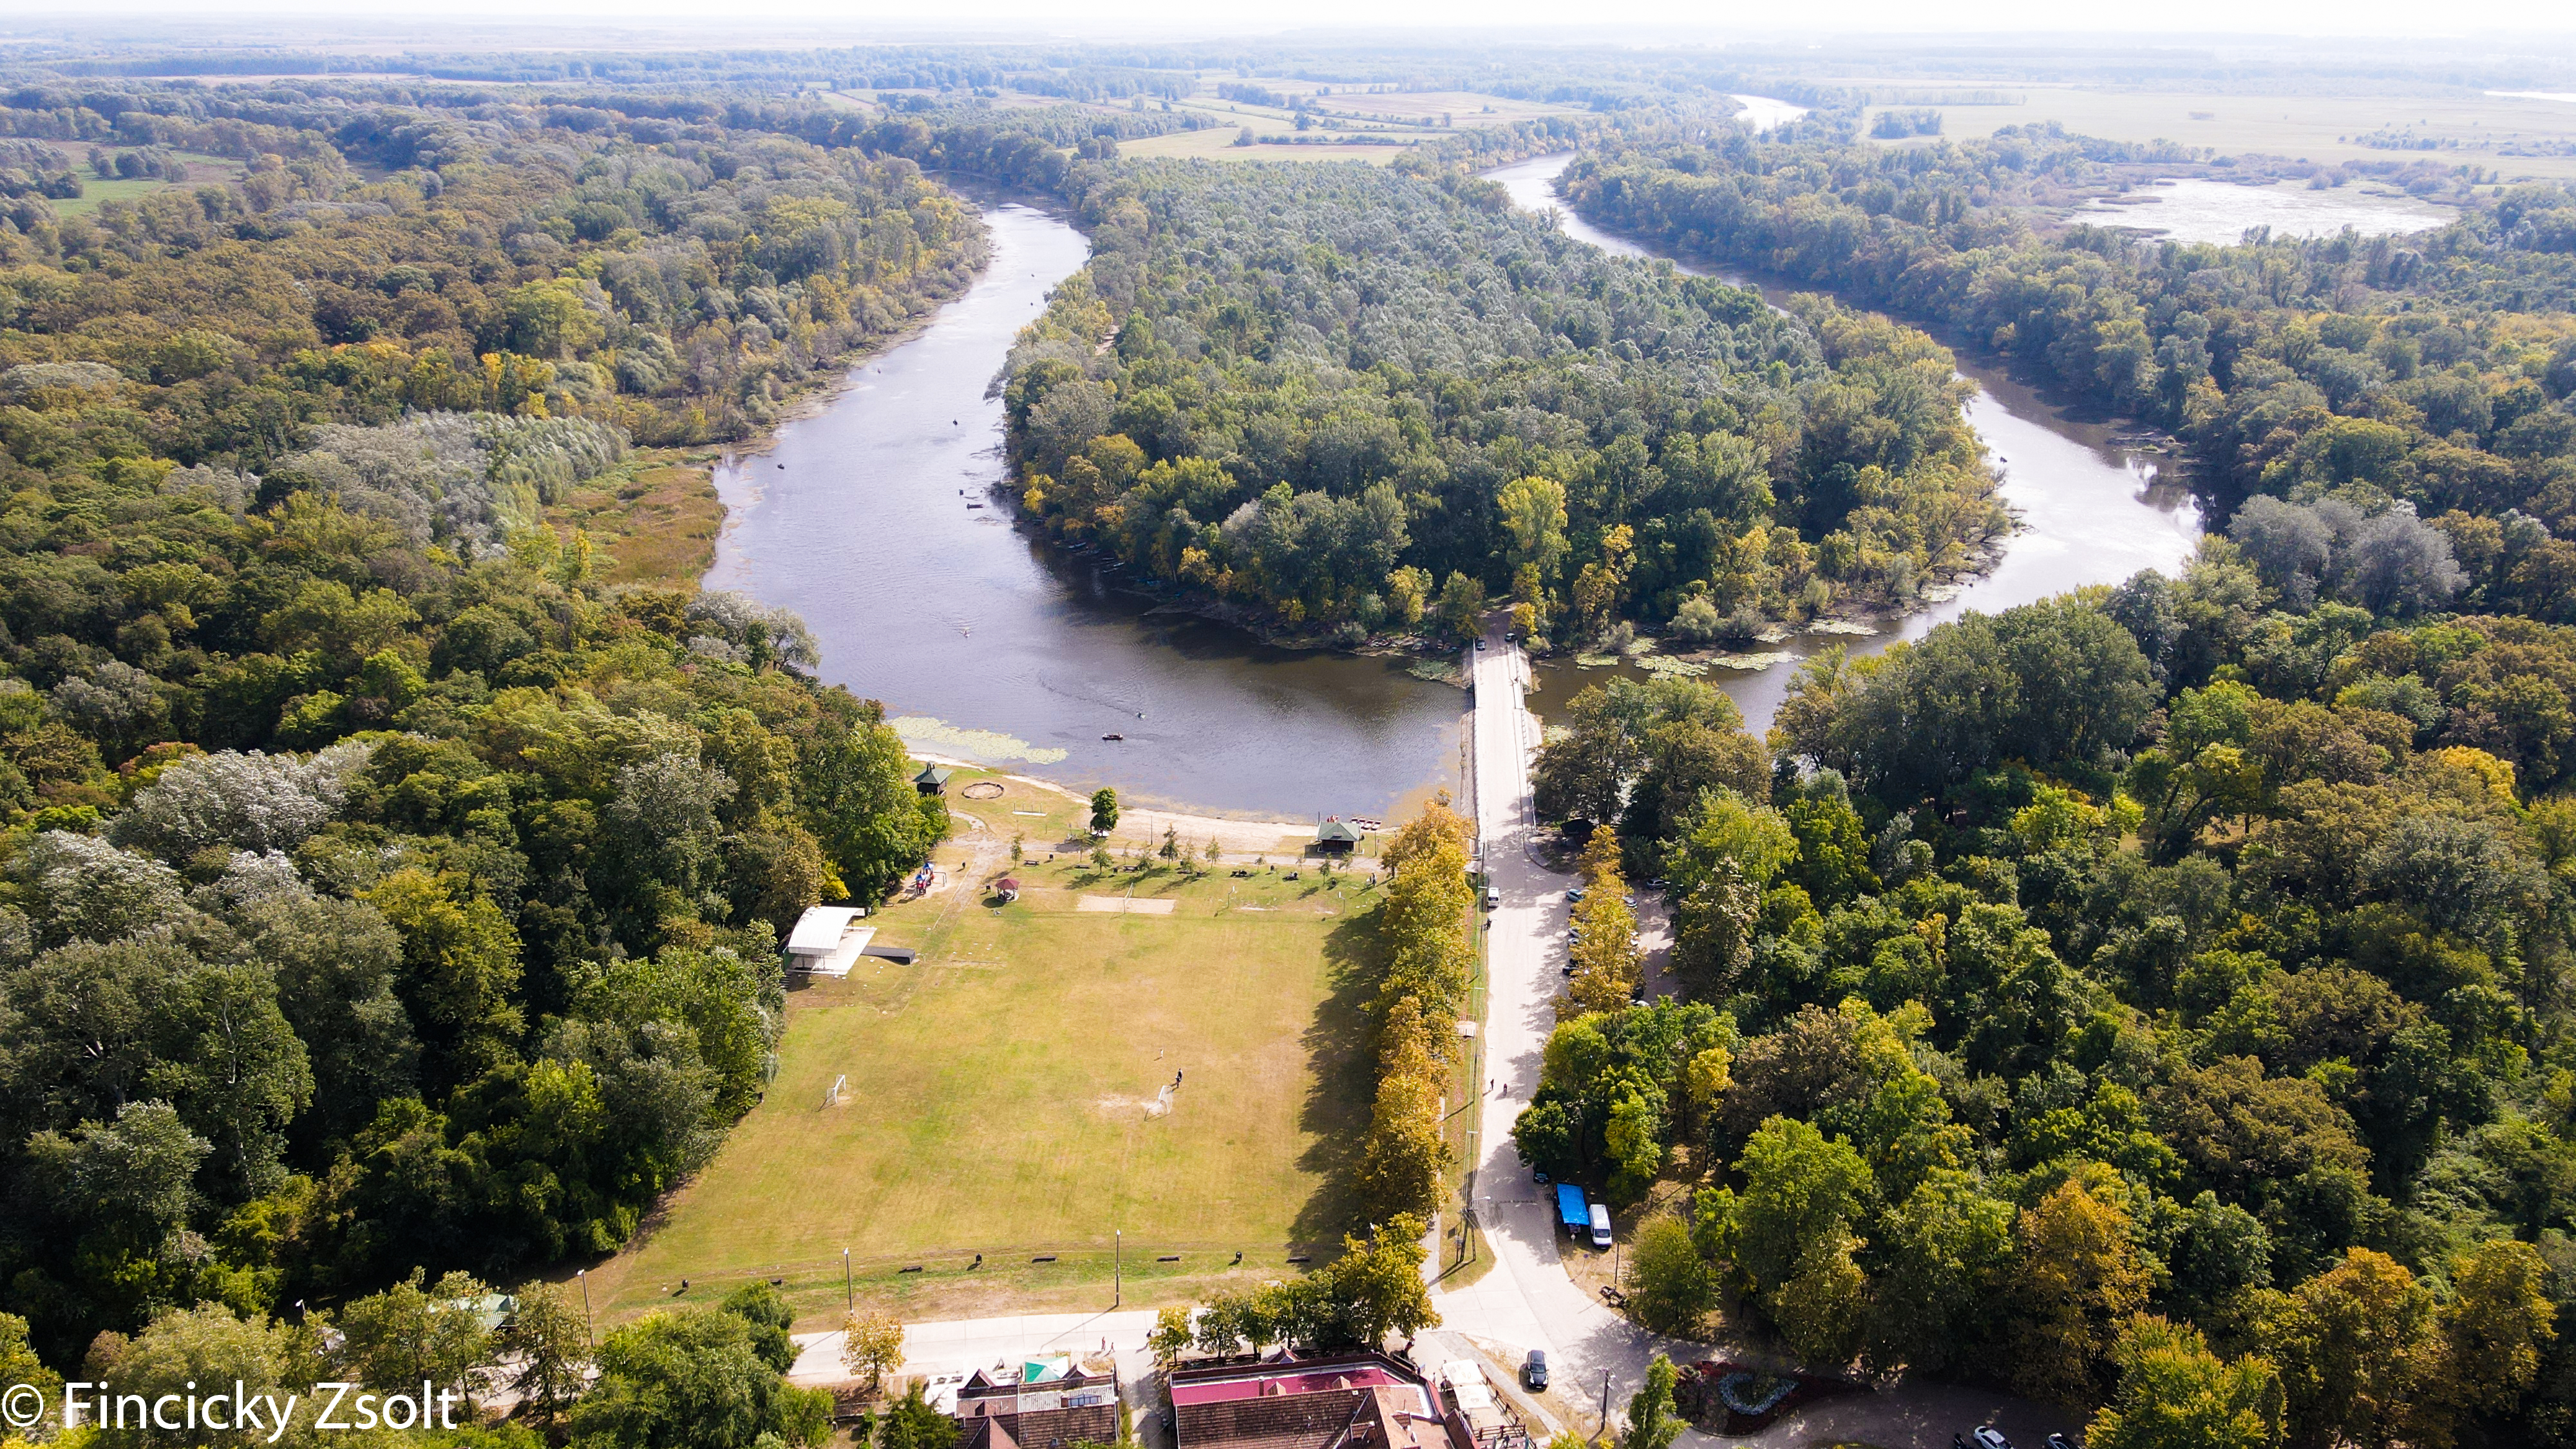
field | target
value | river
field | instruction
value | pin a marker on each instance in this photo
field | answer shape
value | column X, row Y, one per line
column 987, row 643
column 2091, row 512
column 878, row 518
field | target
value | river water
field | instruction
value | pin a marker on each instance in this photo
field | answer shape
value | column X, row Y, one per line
column 2091, row 512
column 987, row 643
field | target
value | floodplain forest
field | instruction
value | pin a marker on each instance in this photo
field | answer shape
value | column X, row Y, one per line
column 2154, row 1000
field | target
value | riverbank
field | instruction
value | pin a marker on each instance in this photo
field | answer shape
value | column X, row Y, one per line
column 877, row 520
column 2092, row 503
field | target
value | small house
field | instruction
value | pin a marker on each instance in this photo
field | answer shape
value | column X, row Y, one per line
column 1008, row 888
column 1336, row 837
column 828, row 940
column 1039, row 1403
column 933, row 779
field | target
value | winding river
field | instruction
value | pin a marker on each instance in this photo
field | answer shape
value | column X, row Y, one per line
column 879, row 518
column 2091, row 512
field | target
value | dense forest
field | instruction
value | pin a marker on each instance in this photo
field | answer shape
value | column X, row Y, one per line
column 1349, row 399
column 2154, row 999
column 381, row 889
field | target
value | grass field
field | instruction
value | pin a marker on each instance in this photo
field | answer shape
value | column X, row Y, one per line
column 203, row 170
column 1002, row 1092
column 2321, row 128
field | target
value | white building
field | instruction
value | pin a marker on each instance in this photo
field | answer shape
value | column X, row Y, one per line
column 828, row 940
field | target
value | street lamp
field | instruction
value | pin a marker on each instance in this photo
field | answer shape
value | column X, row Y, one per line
column 588, row 1337
column 849, row 1295
column 1118, row 1269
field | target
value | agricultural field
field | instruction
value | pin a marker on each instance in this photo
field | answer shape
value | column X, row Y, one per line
column 1408, row 117
column 2321, row 128
column 1006, row 1091
column 1217, row 144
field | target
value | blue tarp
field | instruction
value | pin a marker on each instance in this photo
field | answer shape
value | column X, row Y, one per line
column 1570, row 1209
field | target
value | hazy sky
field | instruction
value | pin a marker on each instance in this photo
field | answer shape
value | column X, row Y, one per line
column 1604, row 19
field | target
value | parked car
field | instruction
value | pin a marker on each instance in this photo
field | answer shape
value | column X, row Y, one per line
column 1493, row 899
column 2060, row 1441
column 1600, row 1225
column 1480, row 643
column 1534, row 1370
column 1541, row 1178
column 1574, row 895
column 1984, row 1436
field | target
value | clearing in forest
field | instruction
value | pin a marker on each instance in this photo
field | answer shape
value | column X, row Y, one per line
column 1042, row 1075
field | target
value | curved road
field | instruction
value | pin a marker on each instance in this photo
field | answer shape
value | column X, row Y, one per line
column 1526, row 1300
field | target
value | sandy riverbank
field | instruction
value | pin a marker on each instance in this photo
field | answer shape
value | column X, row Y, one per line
column 1142, row 827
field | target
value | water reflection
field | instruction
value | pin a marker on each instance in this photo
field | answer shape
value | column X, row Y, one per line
column 876, row 518
column 2093, row 511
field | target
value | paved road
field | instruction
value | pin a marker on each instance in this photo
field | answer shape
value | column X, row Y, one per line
column 1525, row 1300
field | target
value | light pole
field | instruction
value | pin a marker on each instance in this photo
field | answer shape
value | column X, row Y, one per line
column 1118, row 1269
column 588, row 1337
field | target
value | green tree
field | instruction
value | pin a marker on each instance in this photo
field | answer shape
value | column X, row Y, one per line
column 1669, row 1283
column 19, row 1365
column 548, row 1336
column 874, row 824
column 1820, row 1308
column 693, row 1379
column 1945, row 1255
column 1376, row 1286
column 2176, row 1394
column 410, row 1332
column 1104, row 810
column 1462, row 605
column 207, row 1344
column 913, row 1422
column 1652, row 1424
column 1800, row 1189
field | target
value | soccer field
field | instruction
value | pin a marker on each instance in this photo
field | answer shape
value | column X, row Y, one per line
column 1006, row 1096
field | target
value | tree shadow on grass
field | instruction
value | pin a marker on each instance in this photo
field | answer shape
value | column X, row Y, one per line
column 1341, row 1053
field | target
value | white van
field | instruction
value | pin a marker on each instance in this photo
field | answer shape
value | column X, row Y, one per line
column 1600, row 1226
column 1493, row 899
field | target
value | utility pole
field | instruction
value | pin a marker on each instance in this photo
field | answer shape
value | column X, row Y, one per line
column 1605, row 1405
column 1118, row 1280
column 588, row 1338
column 849, row 1295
